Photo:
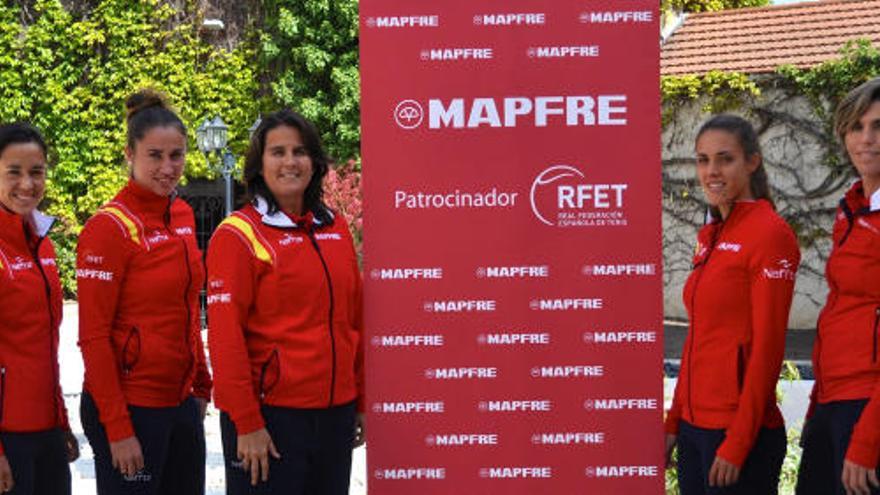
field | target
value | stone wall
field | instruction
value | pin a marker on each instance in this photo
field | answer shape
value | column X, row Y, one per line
column 806, row 191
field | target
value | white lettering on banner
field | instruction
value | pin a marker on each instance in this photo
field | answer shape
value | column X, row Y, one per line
column 569, row 438
column 639, row 404
column 514, row 339
column 515, row 406
column 565, row 304
column 620, row 270
column 603, row 110
column 622, row 337
column 444, row 54
column 784, row 270
column 535, row 271
column 406, row 273
column 222, row 298
column 576, row 371
column 459, row 306
column 516, row 472
column 461, row 439
column 457, row 199
column 582, row 51
column 460, row 373
column 618, row 17
column 408, row 341
column 409, row 407
column 89, row 274
column 410, row 473
column 622, row 471
column 569, row 202
column 403, row 21
column 511, row 19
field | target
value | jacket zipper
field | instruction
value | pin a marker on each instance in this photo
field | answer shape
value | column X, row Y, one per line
column 186, row 333
column 311, row 235
column 701, row 265
column 52, row 335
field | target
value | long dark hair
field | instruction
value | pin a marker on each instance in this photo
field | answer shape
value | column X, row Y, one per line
column 745, row 134
column 21, row 133
column 255, row 184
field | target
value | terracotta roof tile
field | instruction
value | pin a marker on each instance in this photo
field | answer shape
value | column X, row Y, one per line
column 757, row 40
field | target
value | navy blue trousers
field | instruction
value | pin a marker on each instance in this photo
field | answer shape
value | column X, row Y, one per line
column 315, row 447
column 825, row 439
column 38, row 461
column 759, row 474
column 173, row 443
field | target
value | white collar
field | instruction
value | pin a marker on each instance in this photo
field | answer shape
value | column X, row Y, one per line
column 278, row 219
column 875, row 200
column 41, row 222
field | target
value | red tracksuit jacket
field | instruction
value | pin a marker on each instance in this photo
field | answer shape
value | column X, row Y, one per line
column 139, row 272
column 30, row 316
column 284, row 315
column 846, row 360
column 737, row 297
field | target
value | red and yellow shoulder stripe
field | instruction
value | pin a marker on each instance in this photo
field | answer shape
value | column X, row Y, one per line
column 129, row 223
column 246, row 230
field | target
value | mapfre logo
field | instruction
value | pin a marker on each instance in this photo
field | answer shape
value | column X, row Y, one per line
column 403, row 21
column 514, row 111
column 561, row 197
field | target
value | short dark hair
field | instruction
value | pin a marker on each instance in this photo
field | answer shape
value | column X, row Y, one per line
column 255, row 184
column 745, row 134
column 21, row 133
column 854, row 105
column 147, row 109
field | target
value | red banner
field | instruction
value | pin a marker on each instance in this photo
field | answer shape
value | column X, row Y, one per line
column 511, row 152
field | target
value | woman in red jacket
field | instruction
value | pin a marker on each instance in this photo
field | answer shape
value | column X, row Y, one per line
column 724, row 419
column 841, row 436
column 139, row 272
column 35, row 440
column 284, row 307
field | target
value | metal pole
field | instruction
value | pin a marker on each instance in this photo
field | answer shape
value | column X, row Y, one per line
column 228, row 167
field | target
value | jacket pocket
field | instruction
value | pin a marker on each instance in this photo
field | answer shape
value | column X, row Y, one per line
column 270, row 373
column 131, row 351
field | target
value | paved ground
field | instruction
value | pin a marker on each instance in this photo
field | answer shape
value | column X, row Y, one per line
column 794, row 405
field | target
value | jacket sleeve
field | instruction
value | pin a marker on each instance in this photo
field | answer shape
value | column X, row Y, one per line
column 102, row 256
column 864, row 445
column 673, row 415
column 232, row 278
column 772, row 271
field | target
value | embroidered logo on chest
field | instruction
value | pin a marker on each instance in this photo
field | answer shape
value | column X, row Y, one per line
column 864, row 223
column 729, row 246
column 183, row 231
column 329, row 236
column 157, row 237
column 783, row 270
column 18, row 264
column 288, row 239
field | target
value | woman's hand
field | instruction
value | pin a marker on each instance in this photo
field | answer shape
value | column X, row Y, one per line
column 6, row 482
column 360, row 430
column 71, row 446
column 127, row 456
column 670, row 446
column 723, row 473
column 856, row 479
column 253, row 452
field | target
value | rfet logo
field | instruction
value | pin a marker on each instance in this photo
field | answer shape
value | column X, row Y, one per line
column 562, row 197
